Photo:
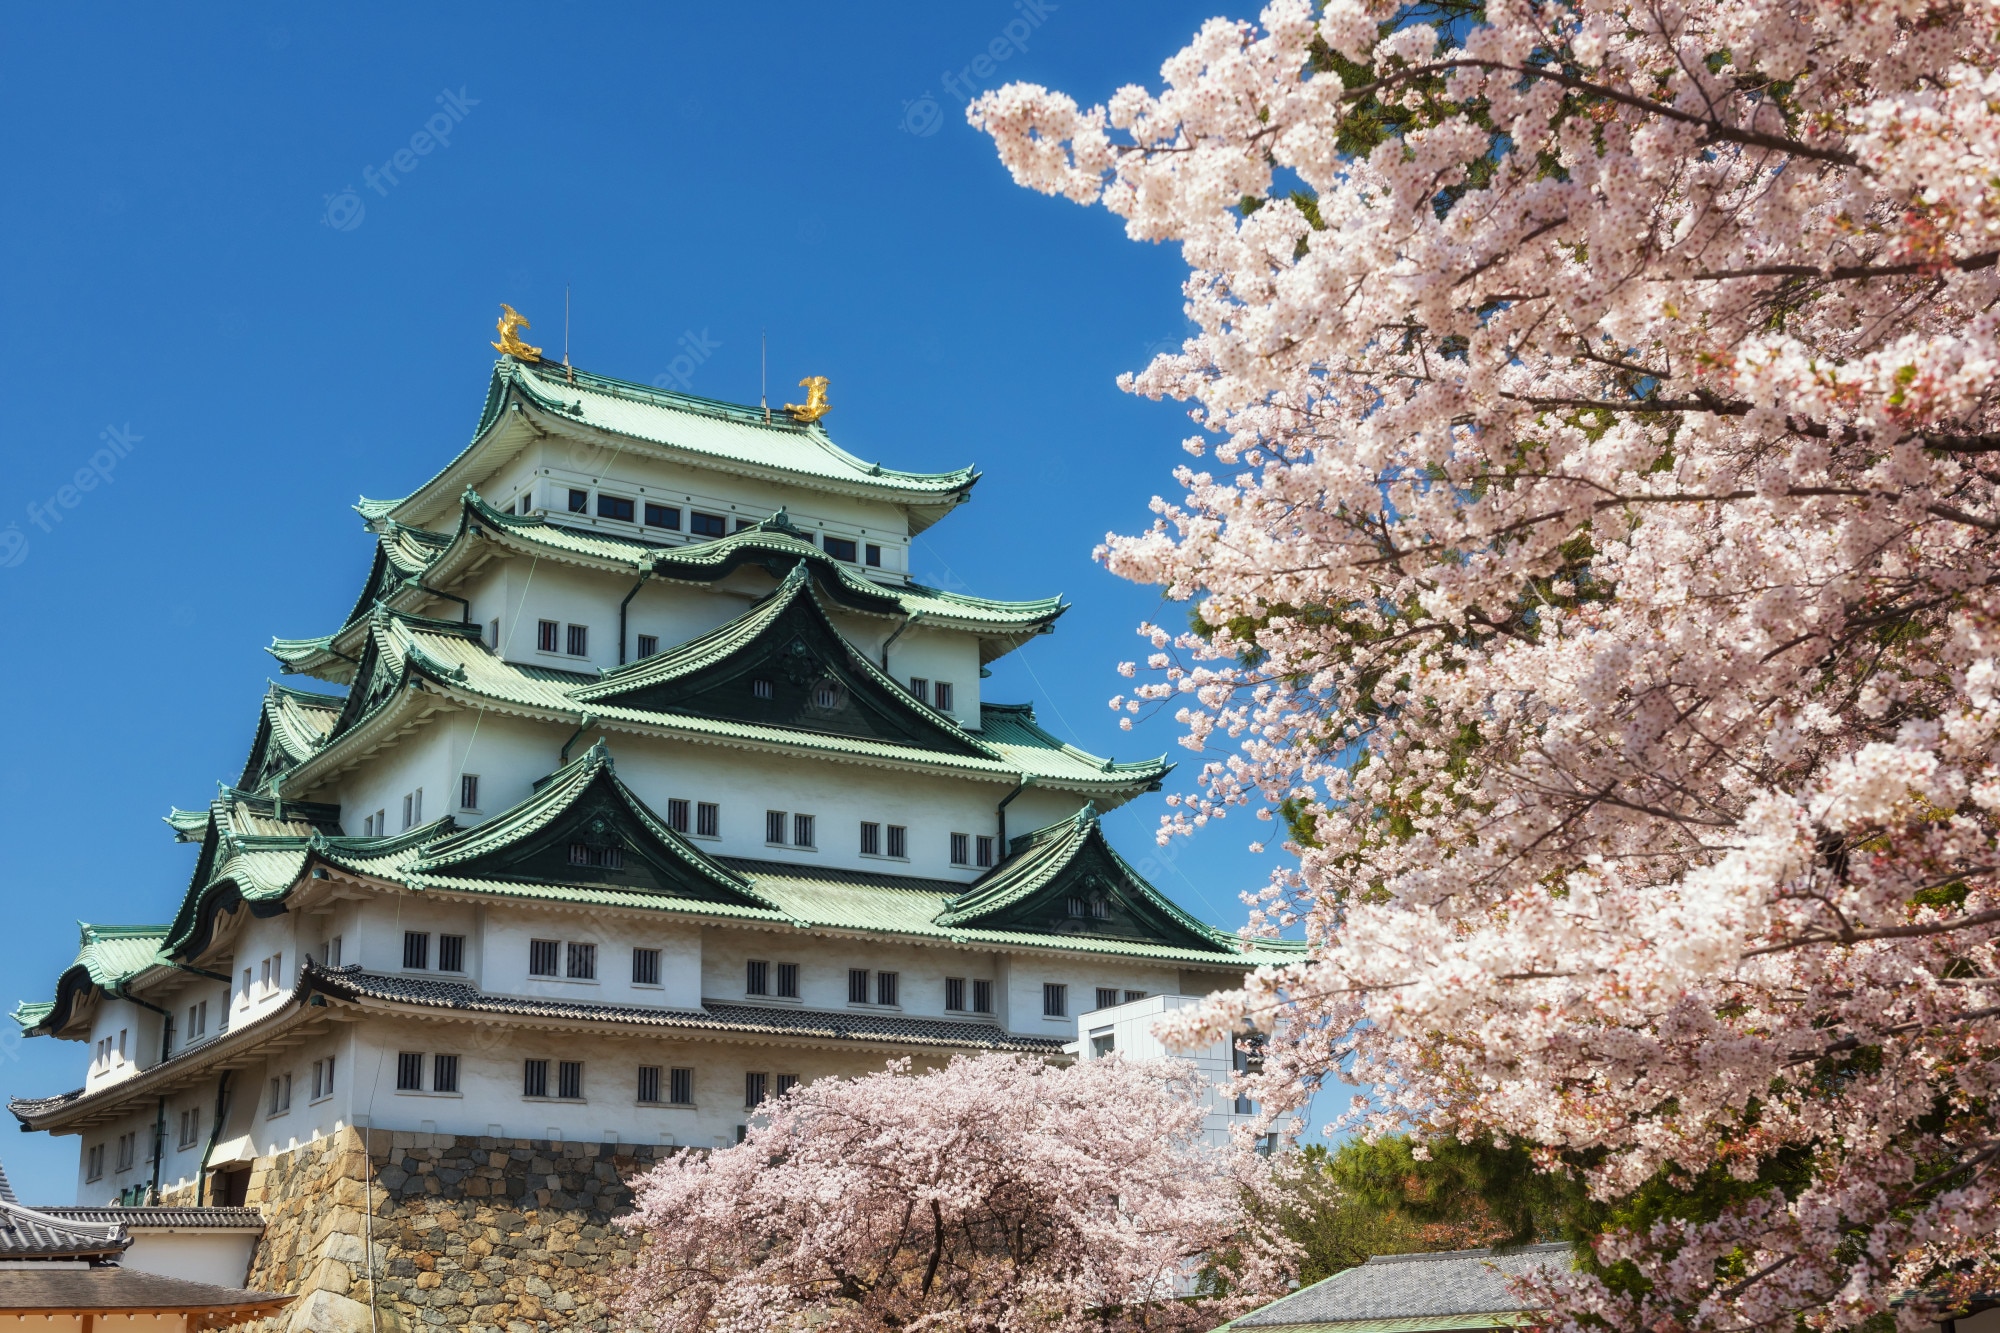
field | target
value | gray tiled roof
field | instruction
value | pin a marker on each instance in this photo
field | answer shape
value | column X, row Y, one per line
column 50, row 1287
column 773, row 1020
column 6, row 1189
column 225, row 1218
column 1411, row 1286
column 27, row 1234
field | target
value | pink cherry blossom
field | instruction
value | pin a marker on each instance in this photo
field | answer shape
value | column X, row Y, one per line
column 1592, row 534
column 996, row 1193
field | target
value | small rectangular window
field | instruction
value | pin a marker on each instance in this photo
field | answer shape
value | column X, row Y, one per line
column 857, row 985
column 840, row 548
column 760, row 689
column 663, row 516
column 921, row 688
column 444, row 1073
column 1055, row 1000
column 190, row 1127
column 754, row 1086
column 982, row 997
column 774, row 827
column 493, row 634
column 885, row 987
column 982, row 850
column 788, row 981
column 954, row 994
column 874, row 554
column 677, row 815
column 649, row 645
column 409, row 809
column 409, row 1071
column 543, row 957
column 614, row 506
column 468, row 791
column 941, row 696
column 535, row 1078
column 758, row 982
column 579, row 502
column 961, row 849
column 1107, row 997
column 582, row 962
column 645, row 967
column 569, row 1080
column 707, row 819
column 649, row 1084
column 871, row 839
column 94, row 1162
column 548, row 636
column 786, row 1082
column 416, row 950
column 899, row 842
column 451, row 953
column 579, row 641
column 680, row 1087
column 802, row 831
column 1132, row 995
column 707, row 525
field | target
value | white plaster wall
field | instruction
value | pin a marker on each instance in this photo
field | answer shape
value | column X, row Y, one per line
column 1130, row 1030
column 507, row 931
column 220, row 1258
column 545, row 472
column 936, row 655
column 141, row 1029
column 1028, row 973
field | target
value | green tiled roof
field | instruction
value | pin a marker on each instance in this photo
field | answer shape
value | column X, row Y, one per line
column 411, row 566
column 374, row 509
column 705, row 432
column 106, row 957
column 457, row 666
column 290, row 727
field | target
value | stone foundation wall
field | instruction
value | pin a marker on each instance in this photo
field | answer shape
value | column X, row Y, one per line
column 486, row 1235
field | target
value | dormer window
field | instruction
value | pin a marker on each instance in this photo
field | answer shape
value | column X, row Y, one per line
column 760, row 689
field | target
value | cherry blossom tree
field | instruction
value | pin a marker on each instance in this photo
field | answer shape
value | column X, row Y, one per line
column 996, row 1193
column 1595, row 578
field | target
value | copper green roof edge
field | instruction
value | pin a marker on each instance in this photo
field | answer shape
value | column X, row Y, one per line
column 723, row 642
column 28, row 1014
column 185, row 823
column 532, row 382
column 106, row 957
column 374, row 509
column 552, row 691
column 293, row 650
column 1023, row 717
column 550, row 803
column 1055, row 847
column 694, row 560
column 1444, row 1323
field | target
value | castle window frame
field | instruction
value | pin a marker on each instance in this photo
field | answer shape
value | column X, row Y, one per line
column 840, row 548
column 982, row 851
column 941, row 695
column 580, row 961
column 416, row 951
column 757, row 977
column 579, row 501
column 649, row 646
column 680, row 1087
column 409, row 1071
column 444, row 1075
column 805, row 832
column 667, row 517
column 645, row 966
column 618, row 508
column 577, row 641
column 788, row 981
column 898, row 838
column 468, row 791
column 535, row 1079
column 677, row 814
column 707, row 525
column 544, row 958
column 982, row 996
column 569, row 1080
column 961, row 849
column 707, row 819
column 871, row 838
column 451, row 953
column 1055, row 999
column 547, row 636
column 874, row 555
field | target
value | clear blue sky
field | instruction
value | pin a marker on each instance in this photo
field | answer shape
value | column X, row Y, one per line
column 185, row 265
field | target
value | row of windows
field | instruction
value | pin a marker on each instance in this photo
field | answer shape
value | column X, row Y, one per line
column 1055, row 998
column 563, row 1080
column 417, row 952
column 128, row 1156
column 667, row 518
column 377, row 824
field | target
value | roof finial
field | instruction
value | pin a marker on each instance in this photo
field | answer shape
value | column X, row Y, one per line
column 815, row 406
column 510, row 343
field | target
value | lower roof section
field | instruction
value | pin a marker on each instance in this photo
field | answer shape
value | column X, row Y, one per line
column 58, row 1290
column 319, row 990
column 713, row 1016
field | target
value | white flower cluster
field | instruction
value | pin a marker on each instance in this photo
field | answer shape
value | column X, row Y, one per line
column 1595, row 555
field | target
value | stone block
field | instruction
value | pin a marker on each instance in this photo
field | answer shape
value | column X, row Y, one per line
column 328, row 1312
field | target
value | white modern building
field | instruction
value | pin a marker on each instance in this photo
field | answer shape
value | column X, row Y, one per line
column 640, row 782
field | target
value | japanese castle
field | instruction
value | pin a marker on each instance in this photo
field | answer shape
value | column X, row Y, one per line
column 643, row 782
